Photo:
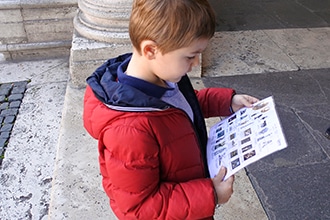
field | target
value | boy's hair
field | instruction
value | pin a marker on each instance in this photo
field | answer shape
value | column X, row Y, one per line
column 172, row 24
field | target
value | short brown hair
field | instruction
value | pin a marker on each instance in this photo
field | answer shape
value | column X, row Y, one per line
column 172, row 24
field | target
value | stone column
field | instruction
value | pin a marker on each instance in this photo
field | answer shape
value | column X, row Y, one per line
column 100, row 32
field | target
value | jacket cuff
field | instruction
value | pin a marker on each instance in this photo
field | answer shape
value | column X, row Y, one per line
column 231, row 101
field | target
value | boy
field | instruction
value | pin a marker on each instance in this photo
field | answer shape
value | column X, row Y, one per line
column 149, row 121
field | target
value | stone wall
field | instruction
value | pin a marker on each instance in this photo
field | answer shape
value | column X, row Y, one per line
column 32, row 29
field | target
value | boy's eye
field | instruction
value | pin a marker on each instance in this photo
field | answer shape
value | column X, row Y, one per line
column 191, row 58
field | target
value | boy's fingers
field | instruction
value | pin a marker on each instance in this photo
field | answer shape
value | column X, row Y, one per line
column 231, row 179
column 252, row 100
column 248, row 101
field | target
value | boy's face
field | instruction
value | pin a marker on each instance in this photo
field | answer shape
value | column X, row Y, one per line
column 173, row 65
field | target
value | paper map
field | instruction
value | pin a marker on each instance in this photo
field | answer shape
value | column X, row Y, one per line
column 245, row 137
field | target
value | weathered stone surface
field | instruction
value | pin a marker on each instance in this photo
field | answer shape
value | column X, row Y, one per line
column 262, row 51
column 87, row 55
column 10, row 15
column 311, row 49
column 27, row 168
column 77, row 190
column 292, row 183
column 59, row 11
column 11, row 33
column 26, row 25
column 49, row 30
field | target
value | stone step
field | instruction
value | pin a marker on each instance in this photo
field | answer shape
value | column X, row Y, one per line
column 36, row 29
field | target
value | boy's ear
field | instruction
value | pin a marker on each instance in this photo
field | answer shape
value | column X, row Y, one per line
column 149, row 49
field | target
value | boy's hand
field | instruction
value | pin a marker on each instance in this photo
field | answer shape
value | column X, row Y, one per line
column 223, row 189
column 239, row 101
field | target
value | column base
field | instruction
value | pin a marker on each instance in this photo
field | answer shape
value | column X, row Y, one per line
column 87, row 55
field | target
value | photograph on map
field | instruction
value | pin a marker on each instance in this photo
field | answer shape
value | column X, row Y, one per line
column 230, row 120
column 246, row 148
column 260, row 105
column 235, row 163
column 247, row 132
column 233, row 153
column 246, row 140
column 249, row 155
column 265, row 109
column 221, row 134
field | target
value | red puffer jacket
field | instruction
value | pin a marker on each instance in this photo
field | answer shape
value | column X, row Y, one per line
column 151, row 160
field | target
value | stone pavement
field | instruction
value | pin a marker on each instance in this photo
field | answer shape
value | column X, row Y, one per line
column 292, row 183
column 50, row 166
column 28, row 165
column 241, row 15
column 289, row 44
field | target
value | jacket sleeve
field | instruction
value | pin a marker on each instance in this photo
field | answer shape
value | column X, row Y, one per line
column 215, row 101
column 132, row 180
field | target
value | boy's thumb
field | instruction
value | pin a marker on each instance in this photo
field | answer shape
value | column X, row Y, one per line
column 222, row 173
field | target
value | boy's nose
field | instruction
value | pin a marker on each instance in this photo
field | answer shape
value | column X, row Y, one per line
column 196, row 60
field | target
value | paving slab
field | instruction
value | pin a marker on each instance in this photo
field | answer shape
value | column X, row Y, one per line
column 77, row 188
column 244, row 52
column 27, row 168
column 311, row 47
column 292, row 183
column 263, row 51
column 271, row 14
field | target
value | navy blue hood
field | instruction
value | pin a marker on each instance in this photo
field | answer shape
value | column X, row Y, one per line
column 105, row 85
